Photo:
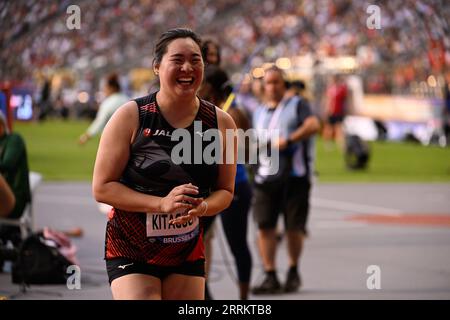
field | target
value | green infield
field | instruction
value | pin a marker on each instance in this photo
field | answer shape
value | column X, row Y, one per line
column 53, row 151
column 389, row 162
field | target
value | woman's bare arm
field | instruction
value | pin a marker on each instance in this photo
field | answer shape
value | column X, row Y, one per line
column 221, row 198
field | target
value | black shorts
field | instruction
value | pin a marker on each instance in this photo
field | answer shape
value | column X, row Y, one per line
column 335, row 119
column 292, row 201
column 119, row 267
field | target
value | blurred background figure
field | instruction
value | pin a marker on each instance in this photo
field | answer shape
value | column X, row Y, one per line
column 446, row 116
column 211, row 55
column 245, row 98
column 7, row 198
column 336, row 102
column 295, row 88
column 61, row 108
column 288, row 190
column 113, row 100
column 45, row 107
column 319, row 87
column 211, row 52
column 14, row 168
column 215, row 89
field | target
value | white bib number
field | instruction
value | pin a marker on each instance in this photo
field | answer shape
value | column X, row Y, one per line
column 158, row 225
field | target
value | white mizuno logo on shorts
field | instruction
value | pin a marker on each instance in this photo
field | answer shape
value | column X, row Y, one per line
column 123, row 266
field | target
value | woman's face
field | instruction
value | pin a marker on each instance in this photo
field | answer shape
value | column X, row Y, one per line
column 181, row 68
column 213, row 54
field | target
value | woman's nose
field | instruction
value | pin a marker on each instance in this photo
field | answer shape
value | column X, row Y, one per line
column 187, row 66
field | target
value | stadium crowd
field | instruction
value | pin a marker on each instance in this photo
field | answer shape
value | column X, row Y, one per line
column 34, row 34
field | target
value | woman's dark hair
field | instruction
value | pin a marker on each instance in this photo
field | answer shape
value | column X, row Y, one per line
column 112, row 81
column 205, row 49
column 167, row 37
column 219, row 82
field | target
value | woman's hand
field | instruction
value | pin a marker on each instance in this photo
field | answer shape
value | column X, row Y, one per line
column 178, row 200
column 199, row 211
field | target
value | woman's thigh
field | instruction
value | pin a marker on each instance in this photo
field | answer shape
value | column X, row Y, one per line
column 183, row 287
column 136, row 286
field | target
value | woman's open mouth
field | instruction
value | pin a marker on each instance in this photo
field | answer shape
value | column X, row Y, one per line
column 185, row 81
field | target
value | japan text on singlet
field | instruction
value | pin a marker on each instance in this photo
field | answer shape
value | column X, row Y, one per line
column 148, row 236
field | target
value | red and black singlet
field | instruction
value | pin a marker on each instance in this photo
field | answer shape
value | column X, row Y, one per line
column 148, row 237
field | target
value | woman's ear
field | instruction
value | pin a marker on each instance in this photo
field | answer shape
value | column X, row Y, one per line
column 156, row 69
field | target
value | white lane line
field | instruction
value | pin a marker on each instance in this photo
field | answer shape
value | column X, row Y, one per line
column 353, row 207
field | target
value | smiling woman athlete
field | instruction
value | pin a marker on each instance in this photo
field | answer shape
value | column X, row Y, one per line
column 153, row 246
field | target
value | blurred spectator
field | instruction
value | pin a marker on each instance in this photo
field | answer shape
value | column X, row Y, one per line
column 336, row 95
column 212, row 92
column 288, row 190
column 45, row 102
column 245, row 98
column 446, row 118
column 258, row 90
column 211, row 52
column 14, row 168
column 295, row 88
column 60, row 107
column 114, row 99
column 7, row 198
column 319, row 86
column 35, row 36
column 215, row 89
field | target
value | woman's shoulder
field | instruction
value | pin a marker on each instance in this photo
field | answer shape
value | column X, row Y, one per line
column 146, row 100
column 240, row 117
column 124, row 122
column 206, row 104
column 126, row 111
column 224, row 119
